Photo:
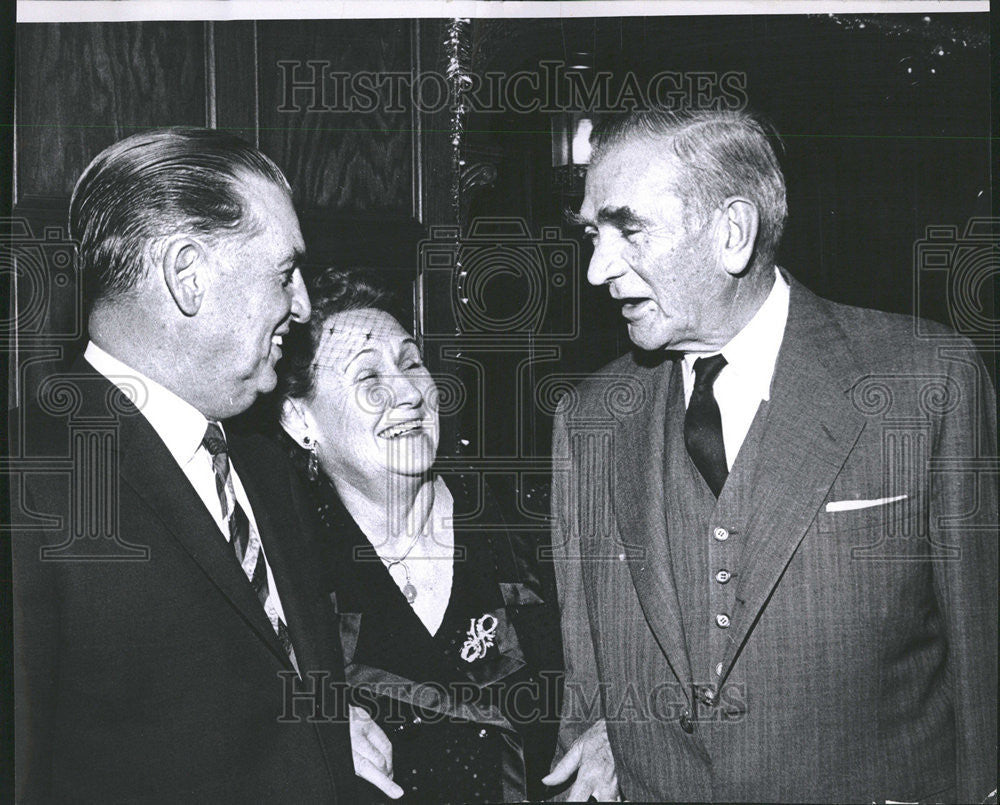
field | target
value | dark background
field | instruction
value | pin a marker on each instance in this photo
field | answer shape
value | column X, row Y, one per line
column 886, row 123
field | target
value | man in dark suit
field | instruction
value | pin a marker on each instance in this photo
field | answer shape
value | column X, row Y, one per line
column 170, row 638
column 776, row 522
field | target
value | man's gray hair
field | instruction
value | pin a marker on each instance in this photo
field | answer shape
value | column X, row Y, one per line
column 720, row 154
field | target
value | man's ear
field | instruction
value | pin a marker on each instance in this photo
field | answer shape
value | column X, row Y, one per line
column 298, row 422
column 185, row 271
column 738, row 234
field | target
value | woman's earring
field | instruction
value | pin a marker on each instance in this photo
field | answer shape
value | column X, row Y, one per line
column 312, row 463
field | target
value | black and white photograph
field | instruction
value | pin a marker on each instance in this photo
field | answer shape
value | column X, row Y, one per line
column 466, row 401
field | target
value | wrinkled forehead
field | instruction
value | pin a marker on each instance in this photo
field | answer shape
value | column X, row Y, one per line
column 353, row 331
column 634, row 172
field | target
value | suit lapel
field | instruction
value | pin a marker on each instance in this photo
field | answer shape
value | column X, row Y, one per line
column 638, row 498
column 811, row 428
column 265, row 500
column 149, row 470
column 279, row 512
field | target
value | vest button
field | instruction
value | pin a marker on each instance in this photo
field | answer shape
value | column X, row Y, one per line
column 723, row 576
column 722, row 620
column 686, row 724
column 720, row 534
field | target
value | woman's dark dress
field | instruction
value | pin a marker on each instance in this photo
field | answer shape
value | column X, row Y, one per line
column 441, row 754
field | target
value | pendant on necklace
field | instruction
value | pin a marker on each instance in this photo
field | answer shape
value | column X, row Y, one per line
column 408, row 590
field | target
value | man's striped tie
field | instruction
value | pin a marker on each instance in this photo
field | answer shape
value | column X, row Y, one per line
column 245, row 541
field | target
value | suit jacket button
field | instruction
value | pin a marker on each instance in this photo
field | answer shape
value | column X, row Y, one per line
column 686, row 724
column 722, row 620
column 720, row 534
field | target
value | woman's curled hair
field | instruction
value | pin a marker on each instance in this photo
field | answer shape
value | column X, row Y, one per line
column 331, row 291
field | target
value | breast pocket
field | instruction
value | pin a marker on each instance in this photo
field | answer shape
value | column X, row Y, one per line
column 881, row 514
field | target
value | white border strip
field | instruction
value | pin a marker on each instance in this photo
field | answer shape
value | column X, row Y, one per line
column 132, row 10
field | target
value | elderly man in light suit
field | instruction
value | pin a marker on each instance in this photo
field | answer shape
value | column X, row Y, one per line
column 776, row 522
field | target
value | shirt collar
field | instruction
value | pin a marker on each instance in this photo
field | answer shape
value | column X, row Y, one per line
column 179, row 424
column 753, row 351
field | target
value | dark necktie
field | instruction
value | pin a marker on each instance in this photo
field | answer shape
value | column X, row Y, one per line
column 703, row 425
column 246, row 545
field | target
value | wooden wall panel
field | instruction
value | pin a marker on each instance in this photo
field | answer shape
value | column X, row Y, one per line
column 337, row 160
column 81, row 87
column 436, row 150
column 235, row 78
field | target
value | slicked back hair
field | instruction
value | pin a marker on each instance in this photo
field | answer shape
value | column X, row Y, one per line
column 719, row 154
column 152, row 184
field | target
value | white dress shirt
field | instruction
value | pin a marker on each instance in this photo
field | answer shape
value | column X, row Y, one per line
column 181, row 427
column 745, row 380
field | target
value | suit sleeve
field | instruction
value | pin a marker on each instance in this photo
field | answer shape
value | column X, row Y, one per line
column 582, row 704
column 36, row 655
column 963, row 512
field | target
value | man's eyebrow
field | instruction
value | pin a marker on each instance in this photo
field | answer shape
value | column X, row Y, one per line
column 621, row 218
column 618, row 217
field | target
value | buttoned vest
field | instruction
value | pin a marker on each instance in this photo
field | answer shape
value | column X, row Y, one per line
column 705, row 536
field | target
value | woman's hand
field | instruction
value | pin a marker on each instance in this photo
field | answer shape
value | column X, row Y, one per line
column 372, row 753
column 590, row 757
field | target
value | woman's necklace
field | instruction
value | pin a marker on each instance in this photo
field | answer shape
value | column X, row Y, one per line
column 409, row 591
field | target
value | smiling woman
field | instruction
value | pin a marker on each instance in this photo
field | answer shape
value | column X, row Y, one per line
column 372, row 388
column 445, row 628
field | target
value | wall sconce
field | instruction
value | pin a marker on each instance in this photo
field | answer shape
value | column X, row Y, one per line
column 571, row 150
column 571, row 134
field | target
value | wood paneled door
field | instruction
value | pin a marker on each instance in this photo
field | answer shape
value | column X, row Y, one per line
column 355, row 165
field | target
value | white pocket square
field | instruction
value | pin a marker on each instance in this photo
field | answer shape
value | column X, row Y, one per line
column 854, row 505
